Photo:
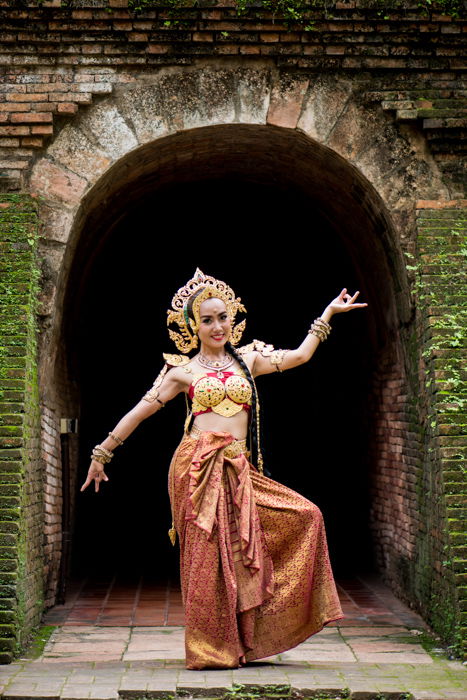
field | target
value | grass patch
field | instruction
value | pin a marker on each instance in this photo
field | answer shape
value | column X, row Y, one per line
column 39, row 638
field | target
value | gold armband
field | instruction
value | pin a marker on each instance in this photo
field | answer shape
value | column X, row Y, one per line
column 170, row 361
column 153, row 393
column 277, row 358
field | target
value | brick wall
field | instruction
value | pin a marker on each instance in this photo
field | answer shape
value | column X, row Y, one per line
column 418, row 439
column 394, row 446
column 440, row 286
column 56, row 60
column 52, row 502
column 20, row 460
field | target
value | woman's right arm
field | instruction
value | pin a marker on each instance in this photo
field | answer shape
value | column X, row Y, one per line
column 171, row 385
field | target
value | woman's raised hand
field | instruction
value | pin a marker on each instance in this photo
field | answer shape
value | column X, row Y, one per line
column 345, row 302
column 97, row 474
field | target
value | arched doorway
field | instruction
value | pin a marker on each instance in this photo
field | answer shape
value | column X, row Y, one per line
column 286, row 222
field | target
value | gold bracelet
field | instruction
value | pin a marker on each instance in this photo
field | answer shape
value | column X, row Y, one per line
column 100, row 454
column 324, row 324
column 99, row 458
column 320, row 328
column 118, row 440
column 104, row 451
column 313, row 331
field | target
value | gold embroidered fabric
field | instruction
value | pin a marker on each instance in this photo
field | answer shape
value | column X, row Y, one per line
column 255, row 570
column 235, row 448
column 224, row 393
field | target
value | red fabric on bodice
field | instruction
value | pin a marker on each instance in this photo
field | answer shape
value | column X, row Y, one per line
column 225, row 393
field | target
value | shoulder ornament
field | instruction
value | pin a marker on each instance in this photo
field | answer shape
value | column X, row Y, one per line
column 276, row 357
column 175, row 360
column 257, row 345
column 170, row 361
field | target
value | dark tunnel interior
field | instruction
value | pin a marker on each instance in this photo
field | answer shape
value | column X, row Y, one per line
column 286, row 261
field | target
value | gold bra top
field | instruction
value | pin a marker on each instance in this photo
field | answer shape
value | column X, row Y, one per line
column 225, row 393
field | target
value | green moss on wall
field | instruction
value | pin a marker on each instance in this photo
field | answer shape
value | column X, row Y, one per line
column 440, row 288
column 20, row 478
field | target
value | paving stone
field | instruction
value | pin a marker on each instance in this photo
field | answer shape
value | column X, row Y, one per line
column 26, row 695
column 104, row 693
column 99, row 663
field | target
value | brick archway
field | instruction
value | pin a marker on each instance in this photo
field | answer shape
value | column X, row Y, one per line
column 356, row 169
column 117, row 134
column 342, row 205
column 342, row 200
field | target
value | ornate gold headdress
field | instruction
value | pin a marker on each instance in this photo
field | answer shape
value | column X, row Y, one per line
column 206, row 287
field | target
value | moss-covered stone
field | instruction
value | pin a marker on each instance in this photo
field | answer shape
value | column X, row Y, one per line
column 442, row 302
column 20, row 584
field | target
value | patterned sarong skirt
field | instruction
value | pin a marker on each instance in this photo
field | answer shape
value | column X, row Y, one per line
column 255, row 571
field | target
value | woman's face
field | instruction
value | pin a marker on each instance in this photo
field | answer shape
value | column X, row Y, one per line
column 214, row 327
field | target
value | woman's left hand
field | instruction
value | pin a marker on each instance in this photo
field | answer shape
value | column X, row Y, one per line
column 345, row 302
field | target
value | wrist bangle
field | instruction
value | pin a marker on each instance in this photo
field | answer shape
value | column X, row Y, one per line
column 118, row 440
column 100, row 454
column 320, row 328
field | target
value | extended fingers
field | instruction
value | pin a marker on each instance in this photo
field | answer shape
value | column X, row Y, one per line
column 100, row 476
column 97, row 478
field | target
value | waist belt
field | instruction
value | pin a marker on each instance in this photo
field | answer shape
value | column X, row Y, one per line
column 235, row 448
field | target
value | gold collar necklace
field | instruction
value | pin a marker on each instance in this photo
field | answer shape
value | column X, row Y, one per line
column 217, row 365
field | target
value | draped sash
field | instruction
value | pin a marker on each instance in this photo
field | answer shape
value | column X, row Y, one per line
column 246, row 591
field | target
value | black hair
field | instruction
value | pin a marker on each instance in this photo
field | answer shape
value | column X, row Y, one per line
column 254, row 416
column 254, row 446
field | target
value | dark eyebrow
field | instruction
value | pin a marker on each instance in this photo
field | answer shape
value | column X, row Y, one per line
column 211, row 315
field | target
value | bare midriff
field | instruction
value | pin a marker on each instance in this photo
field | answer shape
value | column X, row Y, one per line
column 235, row 425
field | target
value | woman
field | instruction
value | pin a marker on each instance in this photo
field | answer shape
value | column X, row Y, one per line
column 255, row 571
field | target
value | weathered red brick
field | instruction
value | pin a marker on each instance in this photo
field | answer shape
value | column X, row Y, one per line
column 158, row 48
column 91, row 49
column 82, row 98
column 335, row 50
column 42, row 129
column 17, row 107
column 246, row 49
column 16, row 164
column 67, row 108
column 122, row 26
column 14, row 130
column 31, row 117
column 137, row 36
column 81, row 14
column 269, row 37
column 441, row 204
column 24, row 97
column 32, row 142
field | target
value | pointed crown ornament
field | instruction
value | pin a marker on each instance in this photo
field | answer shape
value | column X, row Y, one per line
column 201, row 287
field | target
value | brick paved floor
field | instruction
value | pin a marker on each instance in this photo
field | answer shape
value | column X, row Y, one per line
column 374, row 650
column 113, row 601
